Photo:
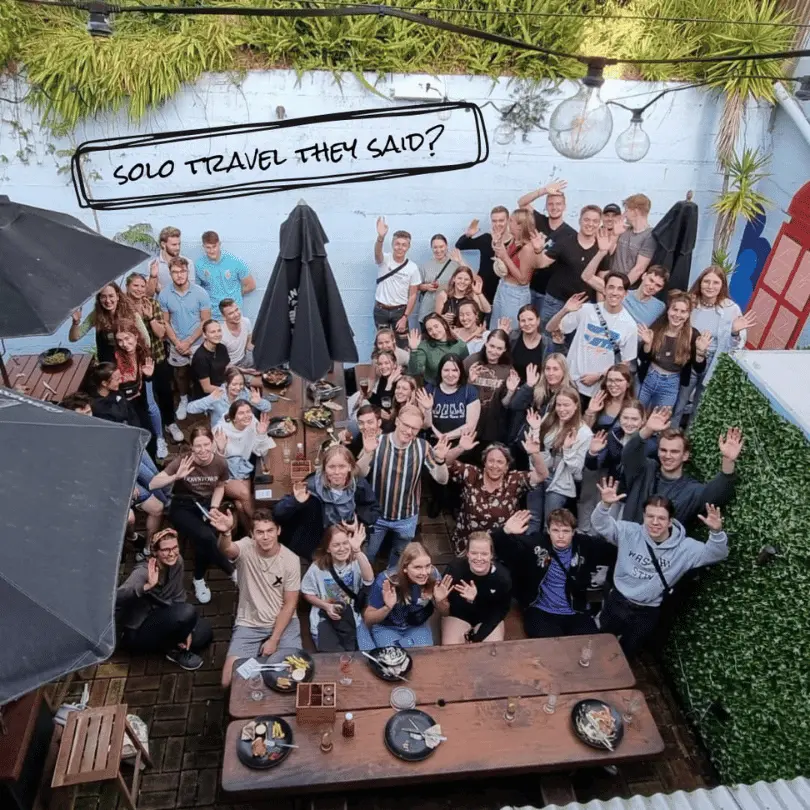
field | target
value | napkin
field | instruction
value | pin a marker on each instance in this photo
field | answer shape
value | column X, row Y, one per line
column 250, row 668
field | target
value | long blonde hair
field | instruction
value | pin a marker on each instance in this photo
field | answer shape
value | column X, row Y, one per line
column 551, row 424
column 526, row 221
column 543, row 395
column 683, row 340
column 401, row 581
column 344, row 453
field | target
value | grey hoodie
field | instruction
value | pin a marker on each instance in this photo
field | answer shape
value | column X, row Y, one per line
column 635, row 576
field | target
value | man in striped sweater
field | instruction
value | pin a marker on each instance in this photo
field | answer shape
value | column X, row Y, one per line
column 395, row 462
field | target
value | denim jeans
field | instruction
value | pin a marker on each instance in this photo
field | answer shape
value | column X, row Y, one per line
column 541, row 503
column 551, row 306
column 404, row 531
column 696, row 385
column 537, row 301
column 384, row 317
column 659, row 390
column 154, row 410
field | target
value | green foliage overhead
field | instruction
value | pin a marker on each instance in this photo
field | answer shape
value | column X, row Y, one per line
column 744, row 645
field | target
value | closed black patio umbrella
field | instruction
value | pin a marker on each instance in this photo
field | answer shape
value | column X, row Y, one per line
column 302, row 320
column 67, row 482
column 675, row 237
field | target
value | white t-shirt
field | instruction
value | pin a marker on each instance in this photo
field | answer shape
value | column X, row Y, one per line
column 394, row 291
column 236, row 344
column 591, row 351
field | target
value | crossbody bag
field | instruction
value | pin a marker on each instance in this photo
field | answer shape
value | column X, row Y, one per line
column 668, row 591
column 359, row 599
column 617, row 353
column 391, row 273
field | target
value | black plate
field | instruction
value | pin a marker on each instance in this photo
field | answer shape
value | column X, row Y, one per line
column 275, row 420
column 53, row 367
column 287, row 379
column 262, row 763
column 325, row 392
column 578, row 721
column 378, row 671
column 398, row 739
column 271, row 676
column 328, row 423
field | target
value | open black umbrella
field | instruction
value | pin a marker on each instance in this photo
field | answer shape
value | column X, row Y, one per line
column 302, row 320
column 51, row 263
column 67, row 482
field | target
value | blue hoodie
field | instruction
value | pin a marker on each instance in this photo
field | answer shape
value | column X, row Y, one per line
column 635, row 576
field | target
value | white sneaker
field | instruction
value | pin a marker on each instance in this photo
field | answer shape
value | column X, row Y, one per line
column 174, row 431
column 182, row 413
column 201, row 591
column 162, row 448
column 235, row 579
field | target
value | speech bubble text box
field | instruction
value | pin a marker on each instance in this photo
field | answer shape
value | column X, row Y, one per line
column 246, row 159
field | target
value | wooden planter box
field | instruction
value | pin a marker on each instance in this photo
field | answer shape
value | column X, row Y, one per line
column 316, row 702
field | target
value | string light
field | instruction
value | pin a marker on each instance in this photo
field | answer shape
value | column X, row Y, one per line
column 634, row 143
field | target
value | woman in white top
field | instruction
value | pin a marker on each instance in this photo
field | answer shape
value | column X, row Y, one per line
column 563, row 438
column 385, row 341
column 715, row 312
column 435, row 273
column 238, row 437
column 470, row 327
column 235, row 388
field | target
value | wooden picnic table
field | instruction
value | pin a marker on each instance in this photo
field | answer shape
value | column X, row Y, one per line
column 24, row 370
column 480, row 743
column 465, row 672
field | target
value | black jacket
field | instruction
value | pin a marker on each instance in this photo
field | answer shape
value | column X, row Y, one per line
column 675, row 236
column 302, row 523
column 492, row 601
column 528, row 556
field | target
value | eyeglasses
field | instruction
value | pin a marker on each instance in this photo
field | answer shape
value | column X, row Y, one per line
column 167, row 551
column 413, row 429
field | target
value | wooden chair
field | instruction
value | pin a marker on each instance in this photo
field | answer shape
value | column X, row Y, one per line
column 91, row 748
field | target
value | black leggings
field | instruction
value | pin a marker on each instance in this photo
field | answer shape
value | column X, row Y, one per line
column 188, row 521
column 633, row 624
column 539, row 624
column 162, row 389
column 165, row 628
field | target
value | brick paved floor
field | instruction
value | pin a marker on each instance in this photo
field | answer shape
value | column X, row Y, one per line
column 186, row 715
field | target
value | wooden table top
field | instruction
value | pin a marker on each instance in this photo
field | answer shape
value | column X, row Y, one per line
column 461, row 673
column 310, row 437
column 24, row 370
column 480, row 743
column 20, row 717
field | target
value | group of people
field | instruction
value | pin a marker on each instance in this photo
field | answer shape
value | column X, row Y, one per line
column 539, row 399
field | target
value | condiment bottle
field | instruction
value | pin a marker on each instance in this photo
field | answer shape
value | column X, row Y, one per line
column 348, row 725
column 299, row 452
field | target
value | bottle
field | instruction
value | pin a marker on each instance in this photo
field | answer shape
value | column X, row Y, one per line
column 348, row 725
column 299, row 452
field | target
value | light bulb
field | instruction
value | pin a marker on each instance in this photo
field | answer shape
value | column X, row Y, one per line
column 444, row 114
column 504, row 133
column 581, row 125
column 634, row 143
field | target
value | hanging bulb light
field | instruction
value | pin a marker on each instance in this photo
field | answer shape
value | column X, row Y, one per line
column 444, row 114
column 581, row 125
column 99, row 24
column 634, row 143
column 504, row 133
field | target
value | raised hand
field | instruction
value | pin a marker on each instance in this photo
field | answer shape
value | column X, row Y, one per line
column 467, row 440
column 713, row 519
column 441, row 448
column 394, row 376
column 597, row 402
column 518, row 523
column 255, row 396
column 746, row 321
column 659, row 419
column 414, row 339
column 152, row 574
column 300, row 491
column 538, row 241
column 531, row 444
column 455, row 255
column 264, row 423
column 556, row 187
column 357, row 538
column 424, row 400
column 598, row 442
column 619, row 227
column 576, row 302
column 370, row 443
column 148, row 367
column 478, row 284
column 557, row 336
column 185, row 468
column 382, row 228
column 467, row 590
column 505, row 324
column 513, row 381
column 703, row 342
column 604, row 240
column 389, row 594
column 532, row 375
column 475, row 370
column 472, row 229
column 223, row 522
column 731, row 444
column 608, row 491
column 221, row 441
column 77, row 316
column 645, row 335
column 533, row 419
column 441, row 590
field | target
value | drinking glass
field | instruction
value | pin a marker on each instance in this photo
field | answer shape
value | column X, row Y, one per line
column 550, row 706
column 286, row 452
column 632, row 706
column 256, row 684
column 586, row 654
column 346, row 669
column 511, row 710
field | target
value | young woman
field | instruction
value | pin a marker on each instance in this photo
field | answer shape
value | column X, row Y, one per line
column 617, row 389
column 427, row 354
column 452, row 407
column 488, row 370
column 337, row 577
column 385, row 341
column 387, row 373
column 111, row 305
column 527, row 344
column 470, row 326
column 670, row 351
column 519, row 259
column 714, row 312
column 218, row 402
column 405, row 390
column 563, row 439
column 464, row 285
column 239, row 436
column 401, row 602
column 199, row 485
column 435, row 272
column 607, row 444
column 481, row 596
column 334, row 495
column 151, row 607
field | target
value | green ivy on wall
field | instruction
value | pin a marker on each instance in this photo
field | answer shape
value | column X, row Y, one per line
column 740, row 653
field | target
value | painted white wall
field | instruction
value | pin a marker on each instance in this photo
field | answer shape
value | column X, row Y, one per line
column 682, row 127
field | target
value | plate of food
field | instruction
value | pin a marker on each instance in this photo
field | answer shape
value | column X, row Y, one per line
column 389, row 663
column 277, row 378
column 318, row 417
column 264, row 742
column 52, row 359
column 300, row 669
column 281, row 427
column 597, row 724
column 321, row 390
column 406, row 738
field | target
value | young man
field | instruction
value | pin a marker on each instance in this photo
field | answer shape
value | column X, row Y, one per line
column 222, row 275
column 369, row 423
column 665, row 475
column 186, row 307
column 159, row 275
column 269, row 580
column 236, row 334
column 395, row 462
column 651, row 559
column 567, row 259
column 398, row 280
column 606, row 334
column 551, row 225
column 634, row 246
column 611, row 214
column 210, row 361
column 473, row 239
column 551, row 572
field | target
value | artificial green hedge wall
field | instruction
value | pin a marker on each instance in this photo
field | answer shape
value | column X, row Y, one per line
column 740, row 653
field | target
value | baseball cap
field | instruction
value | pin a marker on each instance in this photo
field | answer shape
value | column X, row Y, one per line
column 611, row 208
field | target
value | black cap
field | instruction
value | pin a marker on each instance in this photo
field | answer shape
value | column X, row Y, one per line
column 611, row 208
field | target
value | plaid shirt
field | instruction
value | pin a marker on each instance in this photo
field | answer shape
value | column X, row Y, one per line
column 158, row 346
